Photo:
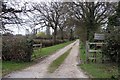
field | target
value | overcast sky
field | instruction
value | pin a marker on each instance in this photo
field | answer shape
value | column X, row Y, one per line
column 17, row 29
column 22, row 30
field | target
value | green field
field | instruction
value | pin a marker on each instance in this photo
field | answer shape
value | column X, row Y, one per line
column 56, row 63
column 9, row 66
column 98, row 69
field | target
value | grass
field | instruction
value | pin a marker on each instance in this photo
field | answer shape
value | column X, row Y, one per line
column 98, row 69
column 48, row 50
column 57, row 62
column 0, row 68
column 9, row 66
column 82, row 51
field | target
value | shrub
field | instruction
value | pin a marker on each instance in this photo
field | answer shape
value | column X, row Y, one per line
column 16, row 48
column 111, row 48
column 47, row 42
column 113, row 38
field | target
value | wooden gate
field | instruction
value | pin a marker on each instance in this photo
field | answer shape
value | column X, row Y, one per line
column 99, row 38
column 93, row 51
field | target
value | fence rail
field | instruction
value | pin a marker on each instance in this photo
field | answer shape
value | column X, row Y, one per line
column 37, row 45
column 88, row 50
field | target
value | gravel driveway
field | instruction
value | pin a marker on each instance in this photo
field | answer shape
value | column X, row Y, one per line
column 69, row 68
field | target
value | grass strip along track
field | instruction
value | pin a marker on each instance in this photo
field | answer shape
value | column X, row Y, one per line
column 56, row 63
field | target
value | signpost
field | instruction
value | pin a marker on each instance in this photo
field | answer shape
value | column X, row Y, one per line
column 99, row 36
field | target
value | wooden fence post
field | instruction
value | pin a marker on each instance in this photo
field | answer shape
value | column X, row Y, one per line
column 87, row 51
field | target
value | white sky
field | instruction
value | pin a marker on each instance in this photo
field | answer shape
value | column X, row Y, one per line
column 23, row 30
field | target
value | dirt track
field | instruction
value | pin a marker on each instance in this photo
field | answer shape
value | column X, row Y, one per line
column 68, row 69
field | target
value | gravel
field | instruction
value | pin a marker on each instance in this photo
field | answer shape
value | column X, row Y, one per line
column 69, row 68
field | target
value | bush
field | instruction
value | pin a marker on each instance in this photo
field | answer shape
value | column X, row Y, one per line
column 47, row 42
column 16, row 48
column 111, row 48
column 113, row 36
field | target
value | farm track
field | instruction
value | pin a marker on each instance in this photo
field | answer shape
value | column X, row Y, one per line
column 68, row 69
column 39, row 70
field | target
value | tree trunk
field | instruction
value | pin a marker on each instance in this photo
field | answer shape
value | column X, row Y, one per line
column 71, row 34
column 87, row 35
column 61, row 34
column 54, row 35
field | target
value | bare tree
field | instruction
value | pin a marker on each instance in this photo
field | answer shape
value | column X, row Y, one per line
column 92, row 14
column 63, row 19
column 50, row 15
column 12, row 13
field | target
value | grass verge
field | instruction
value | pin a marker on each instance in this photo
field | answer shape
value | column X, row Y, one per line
column 48, row 50
column 9, row 66
column 57, row 62
column 98, row 70
column 0, row 68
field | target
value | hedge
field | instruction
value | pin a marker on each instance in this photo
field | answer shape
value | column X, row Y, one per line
column 47, row 42
column 17, row 48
